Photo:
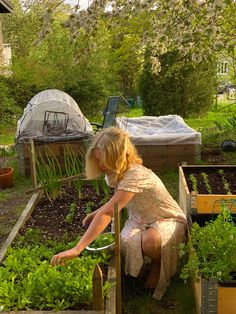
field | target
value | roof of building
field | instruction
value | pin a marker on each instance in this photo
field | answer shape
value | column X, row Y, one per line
column 5, row 6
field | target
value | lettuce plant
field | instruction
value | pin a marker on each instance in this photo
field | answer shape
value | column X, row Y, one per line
column 28, row 281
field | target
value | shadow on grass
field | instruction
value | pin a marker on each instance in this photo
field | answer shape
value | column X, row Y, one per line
column 137, row 300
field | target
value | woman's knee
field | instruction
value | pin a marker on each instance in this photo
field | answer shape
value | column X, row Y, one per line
column 151, row 241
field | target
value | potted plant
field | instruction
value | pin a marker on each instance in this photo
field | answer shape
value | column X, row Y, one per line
column 6, row 172
column 211, row 263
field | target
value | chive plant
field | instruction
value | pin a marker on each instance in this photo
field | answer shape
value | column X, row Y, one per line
column 49, row 174
column 73, row 166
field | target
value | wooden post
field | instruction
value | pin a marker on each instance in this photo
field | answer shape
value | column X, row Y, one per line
column 98, row 301
column 1, row 45
column 33, row 164
column 117, row 260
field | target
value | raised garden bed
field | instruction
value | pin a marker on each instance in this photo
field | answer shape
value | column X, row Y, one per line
column 48, row 149
column 162, row 157
column 202, row 188
column 213, row 293
column 44, row 222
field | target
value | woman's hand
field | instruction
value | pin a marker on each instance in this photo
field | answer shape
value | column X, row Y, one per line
column 88, row 219
column 69, row 254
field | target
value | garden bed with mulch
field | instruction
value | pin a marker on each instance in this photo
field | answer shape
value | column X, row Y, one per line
column 219, row 178
column 62, row 218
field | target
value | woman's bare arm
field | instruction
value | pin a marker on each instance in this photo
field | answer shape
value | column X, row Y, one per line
column 99, row 222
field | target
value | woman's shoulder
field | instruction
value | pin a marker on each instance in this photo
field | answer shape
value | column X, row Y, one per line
column 137, row 169
column 136, row 175
column 135, row 179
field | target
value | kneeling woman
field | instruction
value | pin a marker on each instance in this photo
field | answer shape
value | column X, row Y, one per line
column 156, row 224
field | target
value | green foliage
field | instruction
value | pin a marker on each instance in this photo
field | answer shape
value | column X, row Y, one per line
column 180, row 87
column 105, row 187
column 49, row 174
column 102, row 240
column 5, row 152
column 8, row 109
column 95, row 184
column 75, row 165
column 28, row 281
column 79, row 67
column 224, row 180
column 226, row 124
column 211, row 249
column 127, row 51
column 206, row 182
column 71, row 214
column 193, row 180
column 89, row 207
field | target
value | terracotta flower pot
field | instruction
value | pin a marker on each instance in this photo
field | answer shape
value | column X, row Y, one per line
column 6, row 177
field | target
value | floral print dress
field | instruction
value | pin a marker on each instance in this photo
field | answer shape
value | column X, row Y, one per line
column 151, row 206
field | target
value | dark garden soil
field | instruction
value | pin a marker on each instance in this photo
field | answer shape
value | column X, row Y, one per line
column 216, row 180
column 10, row 210
column 61, row 220
column 212, row 155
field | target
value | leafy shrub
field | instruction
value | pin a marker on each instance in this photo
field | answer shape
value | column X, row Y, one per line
column 9, row 112
column 180, row 87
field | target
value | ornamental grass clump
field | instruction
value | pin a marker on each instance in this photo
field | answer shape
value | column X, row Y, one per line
column 211, row 249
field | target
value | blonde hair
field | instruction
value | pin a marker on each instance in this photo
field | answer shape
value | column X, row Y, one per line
column 117, row 153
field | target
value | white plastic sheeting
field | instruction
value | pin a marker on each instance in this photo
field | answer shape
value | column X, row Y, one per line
column 162, row 130
column 31, row 124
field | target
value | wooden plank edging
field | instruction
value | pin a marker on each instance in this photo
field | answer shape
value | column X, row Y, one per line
column 110, row 307
column 98, row 300
column 55, row 312
column 23, row 217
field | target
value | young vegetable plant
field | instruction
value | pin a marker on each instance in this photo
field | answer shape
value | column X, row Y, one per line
column 225, row 183
column 89, row 207
column 71, row 214
column 193, row 180
column 206, row 182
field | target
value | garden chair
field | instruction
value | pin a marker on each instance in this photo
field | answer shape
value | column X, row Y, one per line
column 109, row 114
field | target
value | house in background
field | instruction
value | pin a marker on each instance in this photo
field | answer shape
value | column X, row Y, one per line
column 5, row 49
